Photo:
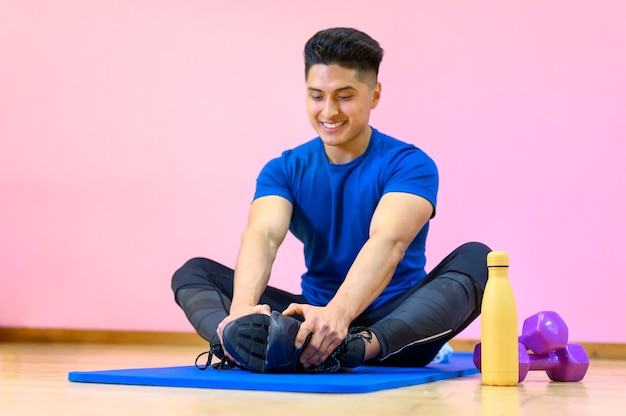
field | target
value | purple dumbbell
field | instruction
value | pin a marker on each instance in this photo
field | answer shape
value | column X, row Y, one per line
column 565, row 364
column 544, row 332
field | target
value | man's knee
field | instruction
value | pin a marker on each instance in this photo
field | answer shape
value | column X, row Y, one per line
column 188, row 272
column 471, row 259
column 475, row 249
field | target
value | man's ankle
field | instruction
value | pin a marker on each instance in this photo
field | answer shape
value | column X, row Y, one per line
column 372, row 348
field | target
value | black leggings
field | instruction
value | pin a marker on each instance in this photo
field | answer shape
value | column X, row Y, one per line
column 410, row 328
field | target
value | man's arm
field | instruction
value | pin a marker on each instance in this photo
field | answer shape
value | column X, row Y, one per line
column 397, row 220
column 268, row 223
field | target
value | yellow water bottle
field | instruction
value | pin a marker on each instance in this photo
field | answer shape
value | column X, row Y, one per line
column 500, row 355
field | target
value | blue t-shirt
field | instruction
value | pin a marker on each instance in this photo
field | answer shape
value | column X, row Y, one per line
column 333, row 207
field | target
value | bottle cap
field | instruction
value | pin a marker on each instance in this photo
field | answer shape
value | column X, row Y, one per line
column 498, row 259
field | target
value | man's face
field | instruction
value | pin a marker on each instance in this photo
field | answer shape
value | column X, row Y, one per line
column 339, row 105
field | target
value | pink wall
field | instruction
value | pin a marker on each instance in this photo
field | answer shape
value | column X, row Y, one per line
column 131, row 133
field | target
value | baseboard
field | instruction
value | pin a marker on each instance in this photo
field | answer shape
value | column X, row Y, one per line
column 595, row 350
column 99, row 336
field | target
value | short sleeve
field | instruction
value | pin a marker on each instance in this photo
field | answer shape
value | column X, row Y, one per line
column 414, row 172
column 273, row 180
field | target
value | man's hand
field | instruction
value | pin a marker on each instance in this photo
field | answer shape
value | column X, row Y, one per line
column 327, row 331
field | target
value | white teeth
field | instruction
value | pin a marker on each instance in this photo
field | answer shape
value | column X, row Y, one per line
column 333, row 125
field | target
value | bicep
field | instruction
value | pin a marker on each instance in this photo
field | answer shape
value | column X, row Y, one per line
column 400, row 216
column 270, row 215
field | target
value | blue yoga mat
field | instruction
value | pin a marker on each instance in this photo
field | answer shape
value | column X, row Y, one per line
column 361, row 380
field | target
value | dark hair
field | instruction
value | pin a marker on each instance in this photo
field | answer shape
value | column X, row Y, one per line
column 345, row 47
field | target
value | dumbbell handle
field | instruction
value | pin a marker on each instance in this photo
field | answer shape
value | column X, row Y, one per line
column 543, row 362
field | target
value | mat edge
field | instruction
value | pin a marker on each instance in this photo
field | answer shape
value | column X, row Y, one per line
column 109, row 377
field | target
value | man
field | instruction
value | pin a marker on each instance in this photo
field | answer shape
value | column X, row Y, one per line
column 360, row 201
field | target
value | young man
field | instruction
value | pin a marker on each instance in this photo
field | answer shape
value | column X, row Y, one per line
column 360, row 202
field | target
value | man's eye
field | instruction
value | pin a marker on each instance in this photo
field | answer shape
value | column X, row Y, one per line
column 316, row 97
column 344, row 97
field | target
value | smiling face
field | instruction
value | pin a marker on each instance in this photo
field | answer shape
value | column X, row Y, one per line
column 339, row 102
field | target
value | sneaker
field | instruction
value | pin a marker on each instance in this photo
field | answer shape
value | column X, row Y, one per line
column 444, row 354
column 266, row 344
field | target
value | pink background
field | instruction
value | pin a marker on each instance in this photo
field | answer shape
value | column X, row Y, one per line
column 131, row 134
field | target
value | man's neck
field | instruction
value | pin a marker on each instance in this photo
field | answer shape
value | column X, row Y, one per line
column 340, row 155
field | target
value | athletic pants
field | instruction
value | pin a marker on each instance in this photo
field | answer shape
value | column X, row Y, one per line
column 411, row 328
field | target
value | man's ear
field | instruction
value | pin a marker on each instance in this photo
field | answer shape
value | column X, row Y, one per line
column 376, row 95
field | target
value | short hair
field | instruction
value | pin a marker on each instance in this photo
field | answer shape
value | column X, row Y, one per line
column 346, row 47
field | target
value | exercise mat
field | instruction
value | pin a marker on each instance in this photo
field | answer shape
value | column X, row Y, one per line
column 361, row 380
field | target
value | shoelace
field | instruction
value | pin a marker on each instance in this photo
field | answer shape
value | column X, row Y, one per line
column 215, row 350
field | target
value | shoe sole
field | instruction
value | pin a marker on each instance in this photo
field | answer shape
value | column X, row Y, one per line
column 250, row 334
column 263, row 343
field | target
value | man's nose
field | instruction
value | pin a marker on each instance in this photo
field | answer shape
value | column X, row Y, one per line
column 331, row 108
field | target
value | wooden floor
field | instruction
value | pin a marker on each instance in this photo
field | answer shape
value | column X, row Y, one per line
column 33, row 381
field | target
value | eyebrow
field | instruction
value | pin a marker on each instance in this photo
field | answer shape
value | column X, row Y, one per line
column 348, row 87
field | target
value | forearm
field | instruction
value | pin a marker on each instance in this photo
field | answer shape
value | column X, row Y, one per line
column 252, row 271
column 367, row 278
column 268, row 222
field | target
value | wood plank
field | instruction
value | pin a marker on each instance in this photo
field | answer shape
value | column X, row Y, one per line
column 33, row 381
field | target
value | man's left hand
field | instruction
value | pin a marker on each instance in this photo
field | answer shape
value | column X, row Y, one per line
column 326, row 328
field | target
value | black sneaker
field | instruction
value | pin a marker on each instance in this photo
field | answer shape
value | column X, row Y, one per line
column 265, row 344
